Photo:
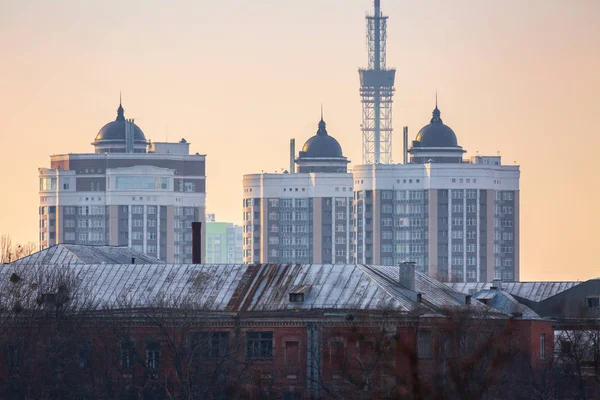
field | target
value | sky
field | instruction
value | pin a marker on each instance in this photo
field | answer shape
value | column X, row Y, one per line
column 238, row 79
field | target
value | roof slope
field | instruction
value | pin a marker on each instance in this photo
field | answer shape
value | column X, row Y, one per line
column 84, row 254
column 533, row 291
column 505, row 303
column 237, row 288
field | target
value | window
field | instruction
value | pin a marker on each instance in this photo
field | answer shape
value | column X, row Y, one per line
column 141, row 183
column 457, row 247
column 137, row 209
column 292, row 396
column 424, row 344
column 126, row 354
column 85, row 355
column 189, row 187
column 542, row 346
column 387, row 194
column 296, row 297
column 137, row 223
column 210, row 345
column 14, row 355
column 259, row 345
column 457, row 194
column 592, row 302
column 153, row 355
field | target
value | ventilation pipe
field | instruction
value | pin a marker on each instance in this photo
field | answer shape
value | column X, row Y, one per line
column 292, row 155
column 405, row 142
column 196, row 242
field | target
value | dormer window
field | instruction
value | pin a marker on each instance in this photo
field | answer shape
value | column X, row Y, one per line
column 297, row 293
column 592, row 302
column 296, row 297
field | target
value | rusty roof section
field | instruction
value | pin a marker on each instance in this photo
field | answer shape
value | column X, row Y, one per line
column 237, row 288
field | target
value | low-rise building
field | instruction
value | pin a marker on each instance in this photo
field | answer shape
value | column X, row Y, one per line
column 255, row 331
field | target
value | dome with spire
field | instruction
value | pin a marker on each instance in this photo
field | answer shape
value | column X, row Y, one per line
column 115, row 130
column 436, row 134
column 321, row 145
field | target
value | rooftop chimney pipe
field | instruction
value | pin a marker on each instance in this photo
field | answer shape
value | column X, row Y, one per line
column 196, row 242
column 405, row 142
column 407, row 274
column 292, row 155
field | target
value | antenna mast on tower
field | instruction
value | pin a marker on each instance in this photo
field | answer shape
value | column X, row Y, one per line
column 376, row 91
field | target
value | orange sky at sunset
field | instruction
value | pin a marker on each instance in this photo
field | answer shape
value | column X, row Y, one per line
column 238, row 79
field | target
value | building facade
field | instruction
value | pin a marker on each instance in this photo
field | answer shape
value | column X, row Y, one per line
column 223, row 242
column 304, row 216
column 256, row 332
column 129, row 192
column 457, row 219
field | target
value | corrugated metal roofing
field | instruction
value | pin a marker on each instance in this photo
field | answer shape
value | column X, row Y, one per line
column 240, row 288
column 534, row 291
column 83, row 254
column 505, row 303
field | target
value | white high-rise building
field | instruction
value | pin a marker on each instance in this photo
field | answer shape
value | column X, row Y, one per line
column 303, row 216
column 457, row 219
column 129, row 192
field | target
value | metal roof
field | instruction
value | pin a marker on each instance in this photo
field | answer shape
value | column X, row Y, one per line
column 534, row 291
column 505, row 303
column 83, row 254
column 238, row 288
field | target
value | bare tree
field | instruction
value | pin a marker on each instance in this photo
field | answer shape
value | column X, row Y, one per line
column 11, row 252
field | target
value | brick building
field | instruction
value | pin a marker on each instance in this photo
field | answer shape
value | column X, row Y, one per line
column 251, row 331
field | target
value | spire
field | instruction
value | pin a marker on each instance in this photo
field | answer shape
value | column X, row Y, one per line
column 322, row 131
column 120, row 110
column 436, row 112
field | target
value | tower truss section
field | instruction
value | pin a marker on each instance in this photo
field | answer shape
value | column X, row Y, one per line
column 376, row 91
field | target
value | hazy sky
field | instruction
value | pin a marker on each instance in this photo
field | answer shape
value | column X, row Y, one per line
column 239, row 78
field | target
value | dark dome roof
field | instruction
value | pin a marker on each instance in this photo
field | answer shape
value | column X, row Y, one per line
column 115, row 130
column 321, row 145
column 436, row 134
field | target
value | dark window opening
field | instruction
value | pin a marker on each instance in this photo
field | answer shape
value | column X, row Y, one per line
column 153, row 355
column 296, row 297
column 592, row 302
column 259, row 345
column 209, row 345
column 127, row 354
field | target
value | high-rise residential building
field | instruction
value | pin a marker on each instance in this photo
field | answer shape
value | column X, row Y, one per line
column 129, row 192
column 304, row 216
column 223, row 242
column 457, row 219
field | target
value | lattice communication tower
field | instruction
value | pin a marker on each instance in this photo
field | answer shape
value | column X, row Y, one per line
column 376, row 91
